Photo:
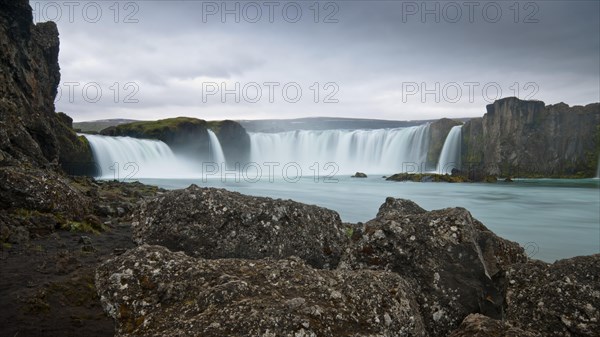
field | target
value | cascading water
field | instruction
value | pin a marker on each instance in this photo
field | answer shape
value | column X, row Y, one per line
column 123, row 158
column 370, row 151
column 216, row 151
column 450, row 155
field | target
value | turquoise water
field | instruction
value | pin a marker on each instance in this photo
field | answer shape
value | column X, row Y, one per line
column 552, row 218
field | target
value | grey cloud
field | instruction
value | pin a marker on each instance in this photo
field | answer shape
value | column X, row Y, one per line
column 369, row 54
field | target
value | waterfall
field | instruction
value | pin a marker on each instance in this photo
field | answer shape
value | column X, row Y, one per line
column 124, row 158
column 216, row 151
column 450, row 155
column 370, row 151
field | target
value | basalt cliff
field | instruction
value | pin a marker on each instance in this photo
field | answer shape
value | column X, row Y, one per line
column 530, row 139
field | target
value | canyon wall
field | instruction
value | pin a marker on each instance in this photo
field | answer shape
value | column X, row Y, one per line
column 529, row 139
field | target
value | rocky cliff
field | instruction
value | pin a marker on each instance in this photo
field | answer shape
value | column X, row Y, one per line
column 189, row 136
column 530, row 139
column 31, row 132
column 438, row 131
column 37, row 145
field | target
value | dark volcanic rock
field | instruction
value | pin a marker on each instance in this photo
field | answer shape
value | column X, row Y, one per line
column 438, row 131
column 560, row 299
column 36, row 201
column 234, row 140
column 151, row 291
column 528, row 139
column 457, row 262
column 215, row 223
column 43, row 191
column 31, row 132
column 477, row 325
column 359, row 175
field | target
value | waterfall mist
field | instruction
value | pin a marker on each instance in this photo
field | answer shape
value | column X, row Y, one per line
column 123, row 158
column 370, row 151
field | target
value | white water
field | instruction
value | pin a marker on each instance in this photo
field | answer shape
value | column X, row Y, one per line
column 450, row 155
column 216, row 151
column 123, row 158
column 370, row 151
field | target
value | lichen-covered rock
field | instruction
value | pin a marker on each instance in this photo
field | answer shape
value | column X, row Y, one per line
column 559, row 299
column 42, row 191
column 151, row 291
column 35, row 201
column 457, row 262
column 477, row 325
column 216, row 223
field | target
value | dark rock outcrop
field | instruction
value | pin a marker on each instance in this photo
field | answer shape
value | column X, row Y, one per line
column 151, row 291
column 528, row 139
column 234, row 140
column 458, row 262
column 215, row 223
column 416, row 273
column 559, row 299
column 359, row 175
column 438, row 131
column 477, row 325
column 35, row 201
column 31, row 132
column 457, row 176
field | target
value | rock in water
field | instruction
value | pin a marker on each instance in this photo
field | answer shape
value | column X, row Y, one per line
column 215, row 223
column 359, row 175
column 457, row 262
column 560, row 299
column 151, row 291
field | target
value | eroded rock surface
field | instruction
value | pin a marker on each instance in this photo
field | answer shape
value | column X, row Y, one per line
column 151, row 291
column 457, row 262
column 477, row 325
column 560, row 299
column 216, row 223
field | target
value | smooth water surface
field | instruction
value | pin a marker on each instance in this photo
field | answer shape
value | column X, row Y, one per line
column 552, row 218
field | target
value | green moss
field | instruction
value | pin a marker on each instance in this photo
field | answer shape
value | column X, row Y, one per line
column 437, row 178
column 349, row 232
column 157, row 128
column 215, row 126
column 84, row 226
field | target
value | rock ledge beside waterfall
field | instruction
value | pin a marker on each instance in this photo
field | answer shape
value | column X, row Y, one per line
column 407, row 272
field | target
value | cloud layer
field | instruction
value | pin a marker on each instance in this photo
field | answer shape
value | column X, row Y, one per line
column 367, row 59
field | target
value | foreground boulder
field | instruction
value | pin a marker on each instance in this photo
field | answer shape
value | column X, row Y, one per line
column 34, row 201
column 215, row 223
column 151, row 291
column 458, row 263
column 560, row 299
column 477, row 325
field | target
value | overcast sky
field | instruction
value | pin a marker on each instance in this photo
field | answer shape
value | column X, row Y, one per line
column 370, row 59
